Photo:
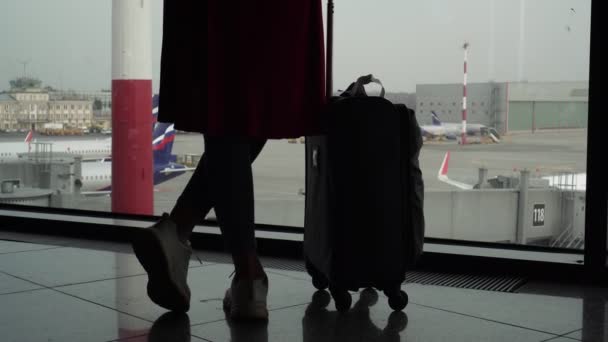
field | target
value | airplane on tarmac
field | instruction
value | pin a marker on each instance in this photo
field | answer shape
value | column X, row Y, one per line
column 564, row 181
column 453, row 131
column 97, row 176
column 88, row 149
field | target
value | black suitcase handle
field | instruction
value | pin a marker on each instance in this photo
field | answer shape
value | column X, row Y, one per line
column 329, row 68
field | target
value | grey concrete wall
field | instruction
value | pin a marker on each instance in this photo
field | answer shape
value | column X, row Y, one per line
column 549, row 91
column 490, row 104
column 489, row 215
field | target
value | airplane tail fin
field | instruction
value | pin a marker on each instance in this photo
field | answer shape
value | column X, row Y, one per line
column 29, row 136
column 494, row 135
column 163, row 136
column 162, row 145
column 443, row 169
column 442, row 174
column 435, row 118
column 155, row 102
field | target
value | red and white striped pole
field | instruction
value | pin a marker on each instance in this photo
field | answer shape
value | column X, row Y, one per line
column 464, row 97
column 132, row 166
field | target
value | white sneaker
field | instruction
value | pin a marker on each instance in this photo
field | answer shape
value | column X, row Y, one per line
column 165, row 258
column 247, row 300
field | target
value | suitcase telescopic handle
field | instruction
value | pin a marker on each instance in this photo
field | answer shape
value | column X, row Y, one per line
column 329, row 68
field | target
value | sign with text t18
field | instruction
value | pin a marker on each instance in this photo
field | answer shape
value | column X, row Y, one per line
column 538, row 215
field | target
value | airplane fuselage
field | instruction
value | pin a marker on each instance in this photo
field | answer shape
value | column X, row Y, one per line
column 88, row 149
column 97, row 176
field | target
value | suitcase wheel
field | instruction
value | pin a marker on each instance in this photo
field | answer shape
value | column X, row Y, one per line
column 368, row 297
column 342, row 299
column 321, row 299
column 319, row 281
column 397, row 299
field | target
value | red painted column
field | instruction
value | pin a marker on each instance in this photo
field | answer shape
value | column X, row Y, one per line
column 132, row 165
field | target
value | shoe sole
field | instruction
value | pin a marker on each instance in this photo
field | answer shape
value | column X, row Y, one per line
column 162, row 288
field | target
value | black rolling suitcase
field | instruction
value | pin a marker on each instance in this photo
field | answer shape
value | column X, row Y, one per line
column 364, row 224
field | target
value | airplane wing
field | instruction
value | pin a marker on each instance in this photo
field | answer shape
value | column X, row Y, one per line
column 101, row 193
column 96, row 193
column 99, row 158
column 170, row 170
column 442, row 175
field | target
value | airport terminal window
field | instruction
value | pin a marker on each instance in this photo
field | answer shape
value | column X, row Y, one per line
column 532, row 121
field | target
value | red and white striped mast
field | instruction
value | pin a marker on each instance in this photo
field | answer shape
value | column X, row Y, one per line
column 132, row 165
column 464, row 97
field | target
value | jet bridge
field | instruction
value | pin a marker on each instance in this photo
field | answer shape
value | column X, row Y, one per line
column 42, row 172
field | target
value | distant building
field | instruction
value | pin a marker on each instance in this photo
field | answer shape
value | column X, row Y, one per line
column 8, row 108
column 101, row 100
column 23, row 109
column 407, row 99
column 507, row 106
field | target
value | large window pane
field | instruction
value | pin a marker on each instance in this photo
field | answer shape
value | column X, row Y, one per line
column 56, row 80
column 527, row 66
column 526, row 107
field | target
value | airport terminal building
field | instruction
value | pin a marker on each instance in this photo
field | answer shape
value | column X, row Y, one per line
column 507, row 106
column 22, row 109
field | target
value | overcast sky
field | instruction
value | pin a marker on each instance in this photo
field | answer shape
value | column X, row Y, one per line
column 67, row 43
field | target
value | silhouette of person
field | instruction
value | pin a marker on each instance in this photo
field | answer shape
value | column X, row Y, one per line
column 265, row 80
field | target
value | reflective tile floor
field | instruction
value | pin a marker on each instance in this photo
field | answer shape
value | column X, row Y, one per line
column 60, row 289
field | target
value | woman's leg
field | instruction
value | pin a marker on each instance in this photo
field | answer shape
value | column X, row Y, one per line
column 196, row 201
column 232, row 188
column 222, row 179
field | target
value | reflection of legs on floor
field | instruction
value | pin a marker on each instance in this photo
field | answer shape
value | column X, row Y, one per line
column 248, row 331
column 171, row 326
